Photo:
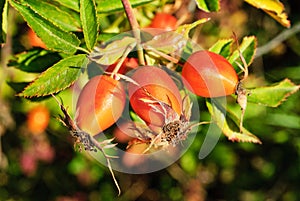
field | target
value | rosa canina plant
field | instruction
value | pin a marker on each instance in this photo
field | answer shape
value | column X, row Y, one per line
column 171, row 70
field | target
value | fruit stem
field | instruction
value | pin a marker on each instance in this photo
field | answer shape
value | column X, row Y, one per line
column 122, row 59
column 245, row 65
column 169, row 58
column 83, row 50
column 135, row 29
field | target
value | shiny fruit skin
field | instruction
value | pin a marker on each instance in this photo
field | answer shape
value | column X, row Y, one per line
column 123, row 133
column 134, row 155
column 38, row 119
column 100, row 104
column 164, row 21
column 34, row 40
column 161, row 86
column 208, row 74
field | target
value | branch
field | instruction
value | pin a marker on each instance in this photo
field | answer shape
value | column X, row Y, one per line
column 135, row 29
column 277, row 40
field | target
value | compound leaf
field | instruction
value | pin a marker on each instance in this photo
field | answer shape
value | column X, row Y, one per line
column 54, row 38
column 222, row 47
column 219, row 117
column 274, row 95
column 89, row 22
column 111, row 52
column 247, row 49
column 56, row 78
column 55, row 15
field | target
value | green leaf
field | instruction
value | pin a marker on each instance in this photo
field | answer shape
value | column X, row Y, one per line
column 57, row 78
column 186, row 28
column 274, row 8
column 3, row 20
column 247, row 49
column 208, row 5
column 173, row 41
column 35, row 60
column 222, row 47
column 108, row 6
column 54, row 38
column 72, row 4
column 274, row 95
column 283, row 119
column 218, row 114
column 104, row 37
column 17, row 86
column 55, row 15
column 110, row 53
column 89, row 22
column 167, row 42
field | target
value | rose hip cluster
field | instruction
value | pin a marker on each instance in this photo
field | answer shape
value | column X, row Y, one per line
column 155, row 98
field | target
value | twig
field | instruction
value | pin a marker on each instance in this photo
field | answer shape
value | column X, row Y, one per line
column 135, row 29
column 277, row 40
column 122, row 59
column 240, row 91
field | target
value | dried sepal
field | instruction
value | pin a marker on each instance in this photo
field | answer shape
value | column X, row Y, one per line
column 85, row 140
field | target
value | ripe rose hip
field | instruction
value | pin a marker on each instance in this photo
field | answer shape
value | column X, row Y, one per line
column 208, row 74
column 134, row 156
column 127, row 65
column 164, row 21
column 38, row 119
column 154, row 84
column 123, row 133
column 100, row 104
column 34, row 40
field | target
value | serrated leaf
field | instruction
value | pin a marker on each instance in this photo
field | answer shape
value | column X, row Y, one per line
column 208, row 5
column 109, row 54
column 222, row 47
column 89, row 22
column 56, row 78
column 108, row 6
column 54, row 38
column 219, row 117
column 167, row 42
column 274, row 95
column 18, row 86
column 248, row 49
column 272, row 7
column 186, row 28
column 72, row 4
column 35, row 60
column 3, row 18
column 55, row 15
column 173, row 41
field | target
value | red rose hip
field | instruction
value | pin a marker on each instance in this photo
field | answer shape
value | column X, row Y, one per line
column 100, row 104
column 164, row 21
column 160, row 86
column 208, row 74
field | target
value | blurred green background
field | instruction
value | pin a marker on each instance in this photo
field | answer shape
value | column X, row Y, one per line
column 44, row 166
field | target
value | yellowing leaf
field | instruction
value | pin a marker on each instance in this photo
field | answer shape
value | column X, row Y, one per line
column 218, row 113
column 186, row 28
column 274, row 8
